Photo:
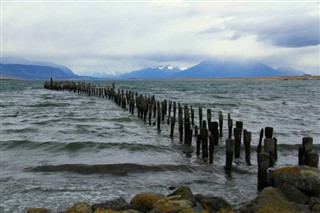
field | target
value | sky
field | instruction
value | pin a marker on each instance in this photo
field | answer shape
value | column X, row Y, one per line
column 94, row 37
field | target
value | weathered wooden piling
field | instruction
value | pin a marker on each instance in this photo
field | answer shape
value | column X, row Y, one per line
column 268, row 131
column 173, row 121
column 313, row 159
column 187, row 127
column 192, row 116
column 221, row 123
column 237, row 142
column 174, row 109
column 211, row 149
column 150, row 112
column 304, row 150
column 158, row 116
column 259, row 148
column 263, row 165
column 209, row 118
column 198, row 144
column 247, row 141
column 214, row 133
column 204, row 139
column 229, row 153
column 180, row 122
column 230, row 124
column 200, row 117
column 195, row 130
column 269, row 148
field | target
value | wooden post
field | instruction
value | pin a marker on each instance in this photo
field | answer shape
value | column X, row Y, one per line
column 163, row 107
column 173, row 121
column 275, row 148
column 209, row 118
column 192, row 116
column 174, row 109
column 200, row 117
column 180, row 122
column 237, row 144
column 230, row 121
column 215, row 133
column 268, row 131
column 221, row 123
column 269, row 148
column 187, row 127
column 229, row 153
column 307, row 145
column 263, row 165
column 211, row 149
column 195, row 130
column 150, row 112
column 204, row 139
column 198, row 144
column 259, row 149
column 158, row 116
column 313, row 159
column 247, row 141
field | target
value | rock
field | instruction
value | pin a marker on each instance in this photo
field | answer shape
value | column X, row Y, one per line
column 213, row 204
column 184, row 192
column 293, row 194
column 314, row 203
column 103, row 210
column 38, row 210
column 270, row 199
column 306, row 179
column 116, row 204
column 144, row 201
column 173, row 204
column 130, row 211
column 81, row 207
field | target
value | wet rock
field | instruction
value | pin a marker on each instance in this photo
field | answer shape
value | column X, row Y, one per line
column 173, row 204
column 184, row 192
column 270, row 199
column 38, row 210
column 81, row 207
column 213, row 204
column 144, row 201
column 306, row 179
column 116, row 204
column 314, row 203
column 102, row 210
column 293, row 194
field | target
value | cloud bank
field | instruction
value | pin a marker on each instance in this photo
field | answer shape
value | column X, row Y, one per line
column 116, row 37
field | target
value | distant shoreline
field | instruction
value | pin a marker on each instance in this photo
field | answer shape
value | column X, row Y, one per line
column 274, row 78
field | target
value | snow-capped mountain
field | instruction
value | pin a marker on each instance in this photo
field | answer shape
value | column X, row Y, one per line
column 152, row 72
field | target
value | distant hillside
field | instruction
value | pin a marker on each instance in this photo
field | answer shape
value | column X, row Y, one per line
column 153, row 72
column 217, row 69
column 19, row 60
column 22, row 71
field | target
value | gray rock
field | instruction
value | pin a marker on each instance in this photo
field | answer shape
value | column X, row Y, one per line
column 184, row 192
column 293, row 194
column 116, row 204
column 270, row 199
column 314, row 203
column 213, row 203
column 306, row 179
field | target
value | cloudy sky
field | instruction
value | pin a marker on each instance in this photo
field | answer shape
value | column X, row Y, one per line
column 116, row 37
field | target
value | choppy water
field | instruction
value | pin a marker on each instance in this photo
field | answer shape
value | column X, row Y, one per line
column 58, row 148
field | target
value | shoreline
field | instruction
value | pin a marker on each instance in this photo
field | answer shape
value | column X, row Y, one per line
column 272, row 78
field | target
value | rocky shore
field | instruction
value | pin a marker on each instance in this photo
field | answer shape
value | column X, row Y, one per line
column 291, row 189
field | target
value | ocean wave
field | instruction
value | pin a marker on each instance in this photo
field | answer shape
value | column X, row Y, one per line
column 78, row 146
column 114, row 169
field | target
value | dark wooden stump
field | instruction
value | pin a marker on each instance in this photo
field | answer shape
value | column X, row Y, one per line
column 263, row 165
column 229, row 153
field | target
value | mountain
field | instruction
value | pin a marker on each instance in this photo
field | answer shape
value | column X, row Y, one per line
column 233, row 69
column 19, row 60
column 287, row 71
column 153, row 72
column 22, row 71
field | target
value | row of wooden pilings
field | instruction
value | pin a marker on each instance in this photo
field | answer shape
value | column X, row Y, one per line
column 208, row 132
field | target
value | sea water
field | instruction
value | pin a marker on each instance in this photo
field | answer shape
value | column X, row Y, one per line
column 59, row 147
